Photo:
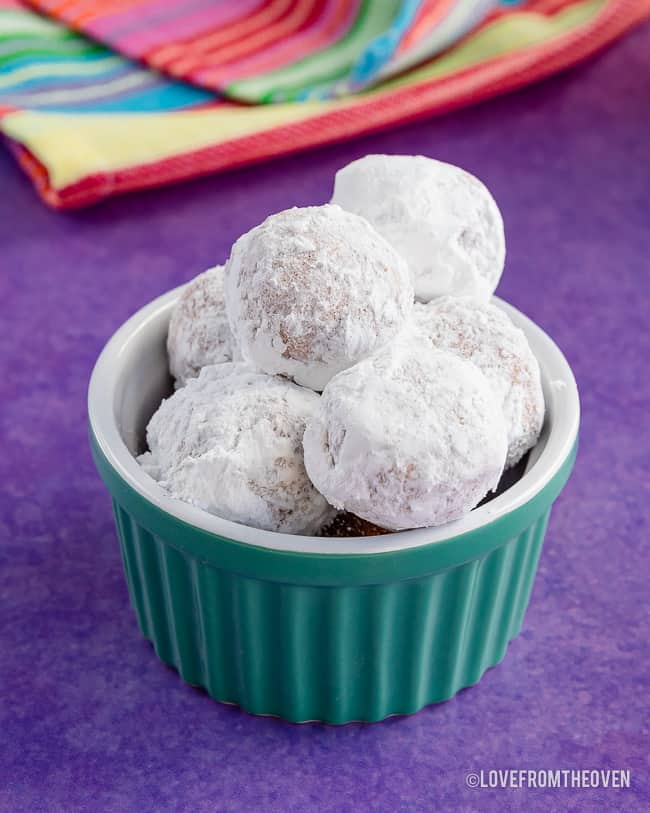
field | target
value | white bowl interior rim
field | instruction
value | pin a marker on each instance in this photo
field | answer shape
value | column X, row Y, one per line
column 558, row 437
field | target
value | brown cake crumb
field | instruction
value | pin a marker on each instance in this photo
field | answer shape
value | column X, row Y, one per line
column 345, row 524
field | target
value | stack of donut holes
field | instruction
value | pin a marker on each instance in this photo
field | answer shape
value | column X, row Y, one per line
column 346, row 373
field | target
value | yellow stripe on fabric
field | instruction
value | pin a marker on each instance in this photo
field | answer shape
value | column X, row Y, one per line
column 72, row 146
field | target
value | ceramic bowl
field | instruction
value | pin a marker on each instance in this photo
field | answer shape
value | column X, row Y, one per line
column 328, row 629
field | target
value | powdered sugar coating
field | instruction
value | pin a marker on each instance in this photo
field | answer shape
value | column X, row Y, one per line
column 406, row 439
column 312, row 291
column 484, row 335
column 441, row 219
column 230, row 442
column 199, row 333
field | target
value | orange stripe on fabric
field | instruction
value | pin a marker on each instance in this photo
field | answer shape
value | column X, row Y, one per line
column 66, row 9
column 306, row 14
column 549, row 7
column 531, row 7
column 266, row 15
column 294, row 46
column 268, row 36
column 33, row 167
column 100, row 9
column 58, row 9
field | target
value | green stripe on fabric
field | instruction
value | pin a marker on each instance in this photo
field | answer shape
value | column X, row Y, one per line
column 60, row 35
column 24, row 22
column 40, row 53
column 78, row 68
column 8, row 44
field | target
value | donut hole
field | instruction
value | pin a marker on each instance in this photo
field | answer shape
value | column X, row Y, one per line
column 346, row 524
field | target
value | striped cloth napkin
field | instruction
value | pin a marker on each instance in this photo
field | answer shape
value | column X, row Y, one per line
column 100, row 97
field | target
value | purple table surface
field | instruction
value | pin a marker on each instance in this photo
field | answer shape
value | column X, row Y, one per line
column 90, row 720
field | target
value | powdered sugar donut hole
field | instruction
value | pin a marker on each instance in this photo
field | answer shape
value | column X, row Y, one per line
column 199, row 333
column 230, row 442
column 483, row 334
column 311, row 291
column 406, row 439
column 441, row 219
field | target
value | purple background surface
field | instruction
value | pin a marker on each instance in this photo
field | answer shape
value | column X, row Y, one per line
column 90, row 720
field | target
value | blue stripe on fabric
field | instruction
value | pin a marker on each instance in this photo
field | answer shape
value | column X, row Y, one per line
column 381, row 49
column 165, row 97
column 35, row 59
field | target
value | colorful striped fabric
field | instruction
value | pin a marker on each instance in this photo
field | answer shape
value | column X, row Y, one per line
column 86, row 122
column 273, row 50
column 45, row 66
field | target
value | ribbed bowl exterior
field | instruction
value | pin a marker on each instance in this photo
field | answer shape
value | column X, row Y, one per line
column 336, row 653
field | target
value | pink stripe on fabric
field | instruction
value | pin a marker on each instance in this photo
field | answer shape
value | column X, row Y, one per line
column 45, row 5
column 68, row 10
column 139, row 42
column 119, row 23
column 298, row 46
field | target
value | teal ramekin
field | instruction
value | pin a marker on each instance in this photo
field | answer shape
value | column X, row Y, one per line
column 314, row 629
